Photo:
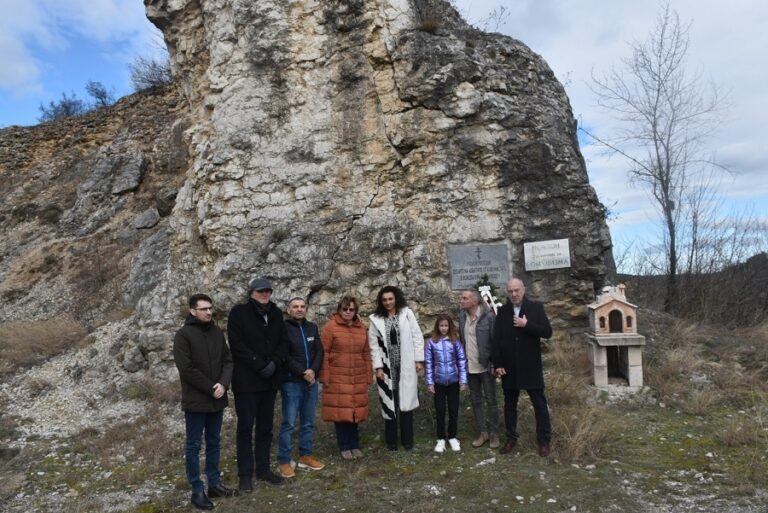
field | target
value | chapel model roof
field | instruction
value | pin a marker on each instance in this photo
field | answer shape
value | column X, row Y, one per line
column 609, row 294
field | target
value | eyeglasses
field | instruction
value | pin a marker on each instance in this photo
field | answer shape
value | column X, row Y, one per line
column 264, row 291
column 206, row 309
column 349, row 309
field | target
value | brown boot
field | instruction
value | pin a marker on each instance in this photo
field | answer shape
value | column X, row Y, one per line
column 481, row 439
column 495, row 444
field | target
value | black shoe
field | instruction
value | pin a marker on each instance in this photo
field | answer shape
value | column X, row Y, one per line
column 508, row 446
column 270, row 477
column 201, row 501
column 544, row 449
column 220, row 490
column 391, row 447
column 245, row 485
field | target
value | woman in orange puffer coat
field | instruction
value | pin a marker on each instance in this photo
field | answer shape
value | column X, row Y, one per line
column 346, row 375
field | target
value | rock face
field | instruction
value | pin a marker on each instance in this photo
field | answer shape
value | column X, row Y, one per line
column 338, row 146
column 333, row 147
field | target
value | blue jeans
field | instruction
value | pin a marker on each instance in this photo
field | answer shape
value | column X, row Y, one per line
column 196, row 424
column 299, row 398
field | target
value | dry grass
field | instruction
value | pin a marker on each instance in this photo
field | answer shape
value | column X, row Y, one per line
column 701, row 402
column 154, row 392
column 29, row 343
column 581, row 429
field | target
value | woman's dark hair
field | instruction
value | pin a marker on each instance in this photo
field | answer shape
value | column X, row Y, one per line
column 399, row 300
column 345, row 302
column 452, row 333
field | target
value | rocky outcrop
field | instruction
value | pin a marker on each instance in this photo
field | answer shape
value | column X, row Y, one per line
column 333, row 147
column 339, row 146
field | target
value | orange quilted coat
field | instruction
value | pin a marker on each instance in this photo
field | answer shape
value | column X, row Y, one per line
column 346, row 372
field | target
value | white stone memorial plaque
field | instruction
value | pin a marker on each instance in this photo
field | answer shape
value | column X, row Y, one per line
column 547, row 254
column 469, row 262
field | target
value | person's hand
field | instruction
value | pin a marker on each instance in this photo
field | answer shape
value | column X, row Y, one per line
column 500, row 371
column 268, row 370
column 519, row 322
column 309, row 376
column 419, row 367
column 380, row 374
column 218, row 391
column 462, row 388
column 431, row 388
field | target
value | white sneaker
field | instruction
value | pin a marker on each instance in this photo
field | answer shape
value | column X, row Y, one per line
column 440, row 446
column 454, row 443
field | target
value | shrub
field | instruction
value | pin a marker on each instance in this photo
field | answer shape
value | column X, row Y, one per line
column 149, row 73
column 67, row 106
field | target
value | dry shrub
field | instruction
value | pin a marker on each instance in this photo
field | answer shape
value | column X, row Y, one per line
column 153, row 391
column 429, row 15
column 32, row 342
column 740, row 432
column 701, row 402
column 582, row 430
column 143, row 441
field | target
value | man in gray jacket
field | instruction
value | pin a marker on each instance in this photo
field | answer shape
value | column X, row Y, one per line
column 475, row 331
column 205, row 370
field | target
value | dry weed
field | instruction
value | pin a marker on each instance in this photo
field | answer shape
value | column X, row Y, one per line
column 701, row 402
column 582, row 430
column 153, row 391
column 32, row 342
column 738, row 432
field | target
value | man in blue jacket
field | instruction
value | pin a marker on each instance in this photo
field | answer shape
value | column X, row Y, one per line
column 516, row 354
column 259, row 344
column 205, row 370
column 300, row 389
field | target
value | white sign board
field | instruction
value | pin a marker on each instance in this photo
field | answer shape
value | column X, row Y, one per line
column 547, row 254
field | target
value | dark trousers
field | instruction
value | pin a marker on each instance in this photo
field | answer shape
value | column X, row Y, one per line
column 405, row 419
column 196, row 424
column 254, row 410
column 447, row 394
column 540, row 410
column 347, row 435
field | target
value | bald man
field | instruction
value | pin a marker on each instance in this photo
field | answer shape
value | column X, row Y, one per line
column 516, row 356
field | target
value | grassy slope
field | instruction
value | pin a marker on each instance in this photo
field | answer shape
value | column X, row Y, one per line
column 698, row 442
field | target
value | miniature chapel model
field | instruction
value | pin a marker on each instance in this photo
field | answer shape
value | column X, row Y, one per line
column 615, row 348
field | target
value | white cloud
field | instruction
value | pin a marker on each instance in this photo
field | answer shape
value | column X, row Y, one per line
column 51, row 25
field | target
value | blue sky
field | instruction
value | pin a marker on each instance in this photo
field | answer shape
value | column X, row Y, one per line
column 50, row 47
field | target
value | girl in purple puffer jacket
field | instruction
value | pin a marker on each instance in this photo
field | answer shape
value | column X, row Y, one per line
column 445, row 371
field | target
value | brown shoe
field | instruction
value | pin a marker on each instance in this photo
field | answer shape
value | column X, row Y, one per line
column 286, row 470
column 481, row 439
column 544, row 449
column 495, row 444
column 508, row 446
column 310, row 462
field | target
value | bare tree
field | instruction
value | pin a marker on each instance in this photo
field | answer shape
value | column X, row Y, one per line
column 102, row 96
column 150, row 72
column 665, row 114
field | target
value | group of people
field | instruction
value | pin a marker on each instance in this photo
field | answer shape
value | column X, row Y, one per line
column 267, row 353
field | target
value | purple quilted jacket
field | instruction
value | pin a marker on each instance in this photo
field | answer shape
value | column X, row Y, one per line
column 444, row 362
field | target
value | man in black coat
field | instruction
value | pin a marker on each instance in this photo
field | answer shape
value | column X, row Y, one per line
column 205, row 370
column 259, row 344
column 516, row 354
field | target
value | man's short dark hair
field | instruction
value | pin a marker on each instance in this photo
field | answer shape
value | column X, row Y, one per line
column 194, row 298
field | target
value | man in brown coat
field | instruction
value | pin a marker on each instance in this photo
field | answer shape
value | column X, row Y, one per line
column 205, row 369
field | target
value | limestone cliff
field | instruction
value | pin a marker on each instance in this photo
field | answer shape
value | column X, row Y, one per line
column 339, row 145
column 332, row 146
